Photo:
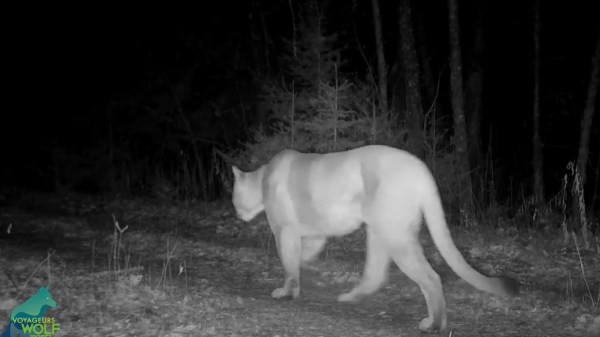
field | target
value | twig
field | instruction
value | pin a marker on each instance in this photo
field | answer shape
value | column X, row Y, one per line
column 11, row 279
column 50, row 253
column 594, row 303
column 166, row 264
column 48, row 270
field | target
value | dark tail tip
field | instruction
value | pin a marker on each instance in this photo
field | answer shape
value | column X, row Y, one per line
column 510, row 287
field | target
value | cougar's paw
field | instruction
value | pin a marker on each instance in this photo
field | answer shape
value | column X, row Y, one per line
column 349, row 297
column 280, row 293
column 428, row 326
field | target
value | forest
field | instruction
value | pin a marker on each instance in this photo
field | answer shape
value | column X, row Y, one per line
column 116, row 183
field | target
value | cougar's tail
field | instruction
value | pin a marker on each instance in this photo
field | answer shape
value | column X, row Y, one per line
column 436, row 222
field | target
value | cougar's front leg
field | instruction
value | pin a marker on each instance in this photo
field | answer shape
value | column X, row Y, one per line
column 289, row 246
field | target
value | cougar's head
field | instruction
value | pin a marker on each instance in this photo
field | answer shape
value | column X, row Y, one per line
column 247, row 193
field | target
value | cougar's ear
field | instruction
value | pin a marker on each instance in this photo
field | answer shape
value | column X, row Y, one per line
column 236, row 171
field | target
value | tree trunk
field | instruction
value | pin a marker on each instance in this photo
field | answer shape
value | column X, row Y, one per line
column 428, row 80
column 474, row 99
column 381, row 66
column 538, row 157
column 410, row 65
column 588, row 114
column 457, row 96
column 584, row 143
column 111, row 174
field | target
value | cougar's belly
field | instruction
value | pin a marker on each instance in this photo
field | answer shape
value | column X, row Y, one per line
column 330, row 220
column 314, row 216
column 325, row 209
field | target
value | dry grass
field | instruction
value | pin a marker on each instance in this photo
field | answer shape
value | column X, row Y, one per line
column 178, row 270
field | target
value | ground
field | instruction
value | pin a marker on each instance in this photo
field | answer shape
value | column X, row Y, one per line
column 139, row 267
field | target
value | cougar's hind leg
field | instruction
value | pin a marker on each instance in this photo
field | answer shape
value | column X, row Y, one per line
column 311, row 247
column 376, row 269
column 410, row 259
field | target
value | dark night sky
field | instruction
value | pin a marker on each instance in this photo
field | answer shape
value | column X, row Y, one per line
column 68, row 63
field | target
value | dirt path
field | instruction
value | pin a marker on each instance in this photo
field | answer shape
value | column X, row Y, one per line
column 193, row 276
column 395, row 310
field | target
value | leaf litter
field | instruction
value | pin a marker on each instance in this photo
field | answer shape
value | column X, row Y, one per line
column 194, row 270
